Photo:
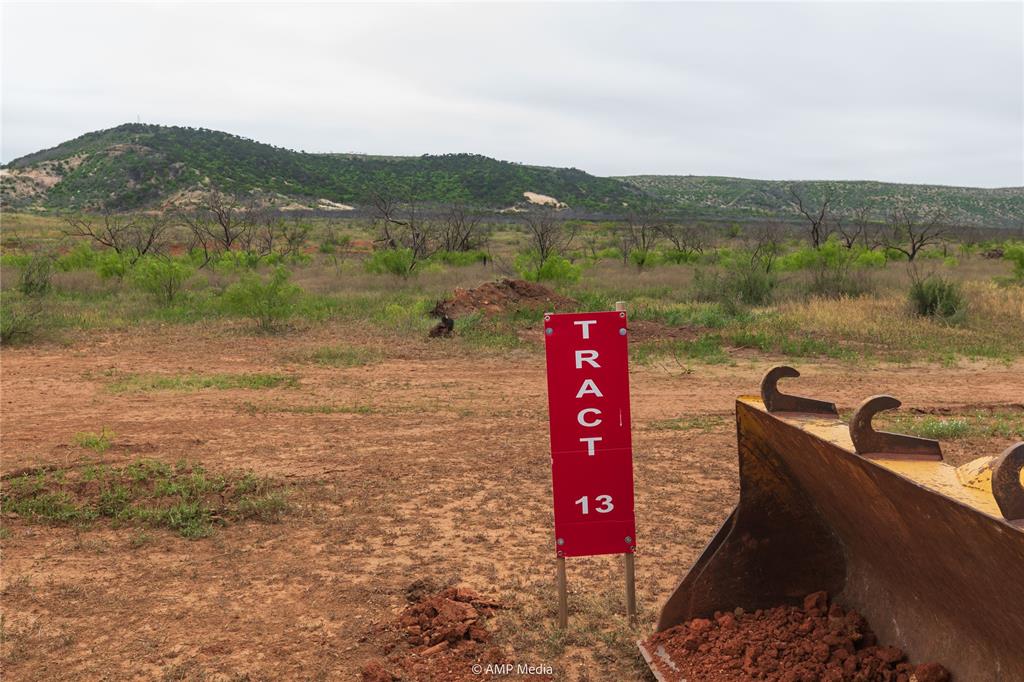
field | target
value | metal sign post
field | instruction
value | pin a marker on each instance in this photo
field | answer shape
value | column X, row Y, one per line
column 591, row 442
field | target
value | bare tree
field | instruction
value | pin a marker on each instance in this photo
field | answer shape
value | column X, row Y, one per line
column 909, row 233
column 591, row 243
column 401, row 224
column 765, row 244
column 853, row 227
column 549, row 234
column 295, row 234
column 131, row 235
column 817, row 213
column 638, row 235
column 232, row 221
column 220, row 222
column 687, row 239
column 460, row 229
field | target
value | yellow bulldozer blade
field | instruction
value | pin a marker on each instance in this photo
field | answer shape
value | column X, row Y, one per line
column 933, row 557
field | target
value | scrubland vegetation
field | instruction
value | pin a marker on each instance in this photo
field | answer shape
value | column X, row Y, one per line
column 908, row 289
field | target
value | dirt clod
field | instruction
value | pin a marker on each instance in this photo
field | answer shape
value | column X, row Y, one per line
column 374, row 671
column 790, row 644
column 445, row 633
column 930, row 672
column 507, row 295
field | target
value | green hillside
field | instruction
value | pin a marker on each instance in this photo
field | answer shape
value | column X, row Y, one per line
column 719, row 197
column 136, row 165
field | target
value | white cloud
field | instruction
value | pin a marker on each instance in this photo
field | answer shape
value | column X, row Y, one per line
column 915, row 92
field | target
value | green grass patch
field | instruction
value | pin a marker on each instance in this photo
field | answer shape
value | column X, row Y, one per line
column 198, row 382
column 978, row 424
column 185, row 498
column 793, row 345
column 98, row 442
column 494, row 332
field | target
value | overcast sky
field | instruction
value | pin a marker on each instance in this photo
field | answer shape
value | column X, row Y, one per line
column 904, row 92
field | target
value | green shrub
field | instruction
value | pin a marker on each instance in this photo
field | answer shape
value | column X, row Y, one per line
column 610, row 253
column 753, row 286
column 835, row 281
column 19, row 317
column 832, row 254
column 867, row 258
column 333, row 243
column 14, row 260
column 161, row 277
column 267, row 302
column 36, row 276
column 1014, row 252
column 644, row 259
column 677, row 257
column 554, row 269
column 398, row 262
column 934, row 296
column 82, row 257
column 735, row 285
column 833, row 267
column 233, row 261
column 112, row 264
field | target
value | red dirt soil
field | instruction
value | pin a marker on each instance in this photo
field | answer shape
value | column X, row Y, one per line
column 440, row 469
column 444, row 635
column 816, row 643
column 493, row 298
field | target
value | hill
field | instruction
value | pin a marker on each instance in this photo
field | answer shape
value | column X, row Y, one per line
column 141, row 166
column 720, row 197
column 137, row 165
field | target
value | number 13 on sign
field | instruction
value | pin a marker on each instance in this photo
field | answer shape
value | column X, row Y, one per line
column 605, row 500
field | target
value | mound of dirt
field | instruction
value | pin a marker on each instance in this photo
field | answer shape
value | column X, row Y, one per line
column 493, row 298
column 450, row 616
column 444, row 635
column 786, row 643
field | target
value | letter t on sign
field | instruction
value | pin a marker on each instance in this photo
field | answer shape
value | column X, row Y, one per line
column 586, row 326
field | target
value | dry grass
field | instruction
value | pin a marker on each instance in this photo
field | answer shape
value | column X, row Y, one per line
column 993, row 325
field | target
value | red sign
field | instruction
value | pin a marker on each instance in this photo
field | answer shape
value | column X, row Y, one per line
column 591, row 445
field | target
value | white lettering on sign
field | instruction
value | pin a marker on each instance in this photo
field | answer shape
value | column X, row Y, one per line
column 586, row 326
column 589, row 388
column 605, row 500
column 590, row 443
column 587, row 356
column 582, row 419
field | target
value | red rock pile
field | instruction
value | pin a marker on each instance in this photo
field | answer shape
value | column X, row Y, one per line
column 447, row 618
column 818, row 643
column 492, row 298
column 444, row 635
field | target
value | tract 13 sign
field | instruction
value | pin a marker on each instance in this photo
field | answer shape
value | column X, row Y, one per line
column 591, row 446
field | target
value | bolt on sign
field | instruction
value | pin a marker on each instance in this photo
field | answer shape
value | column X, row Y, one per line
column 591, row 446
